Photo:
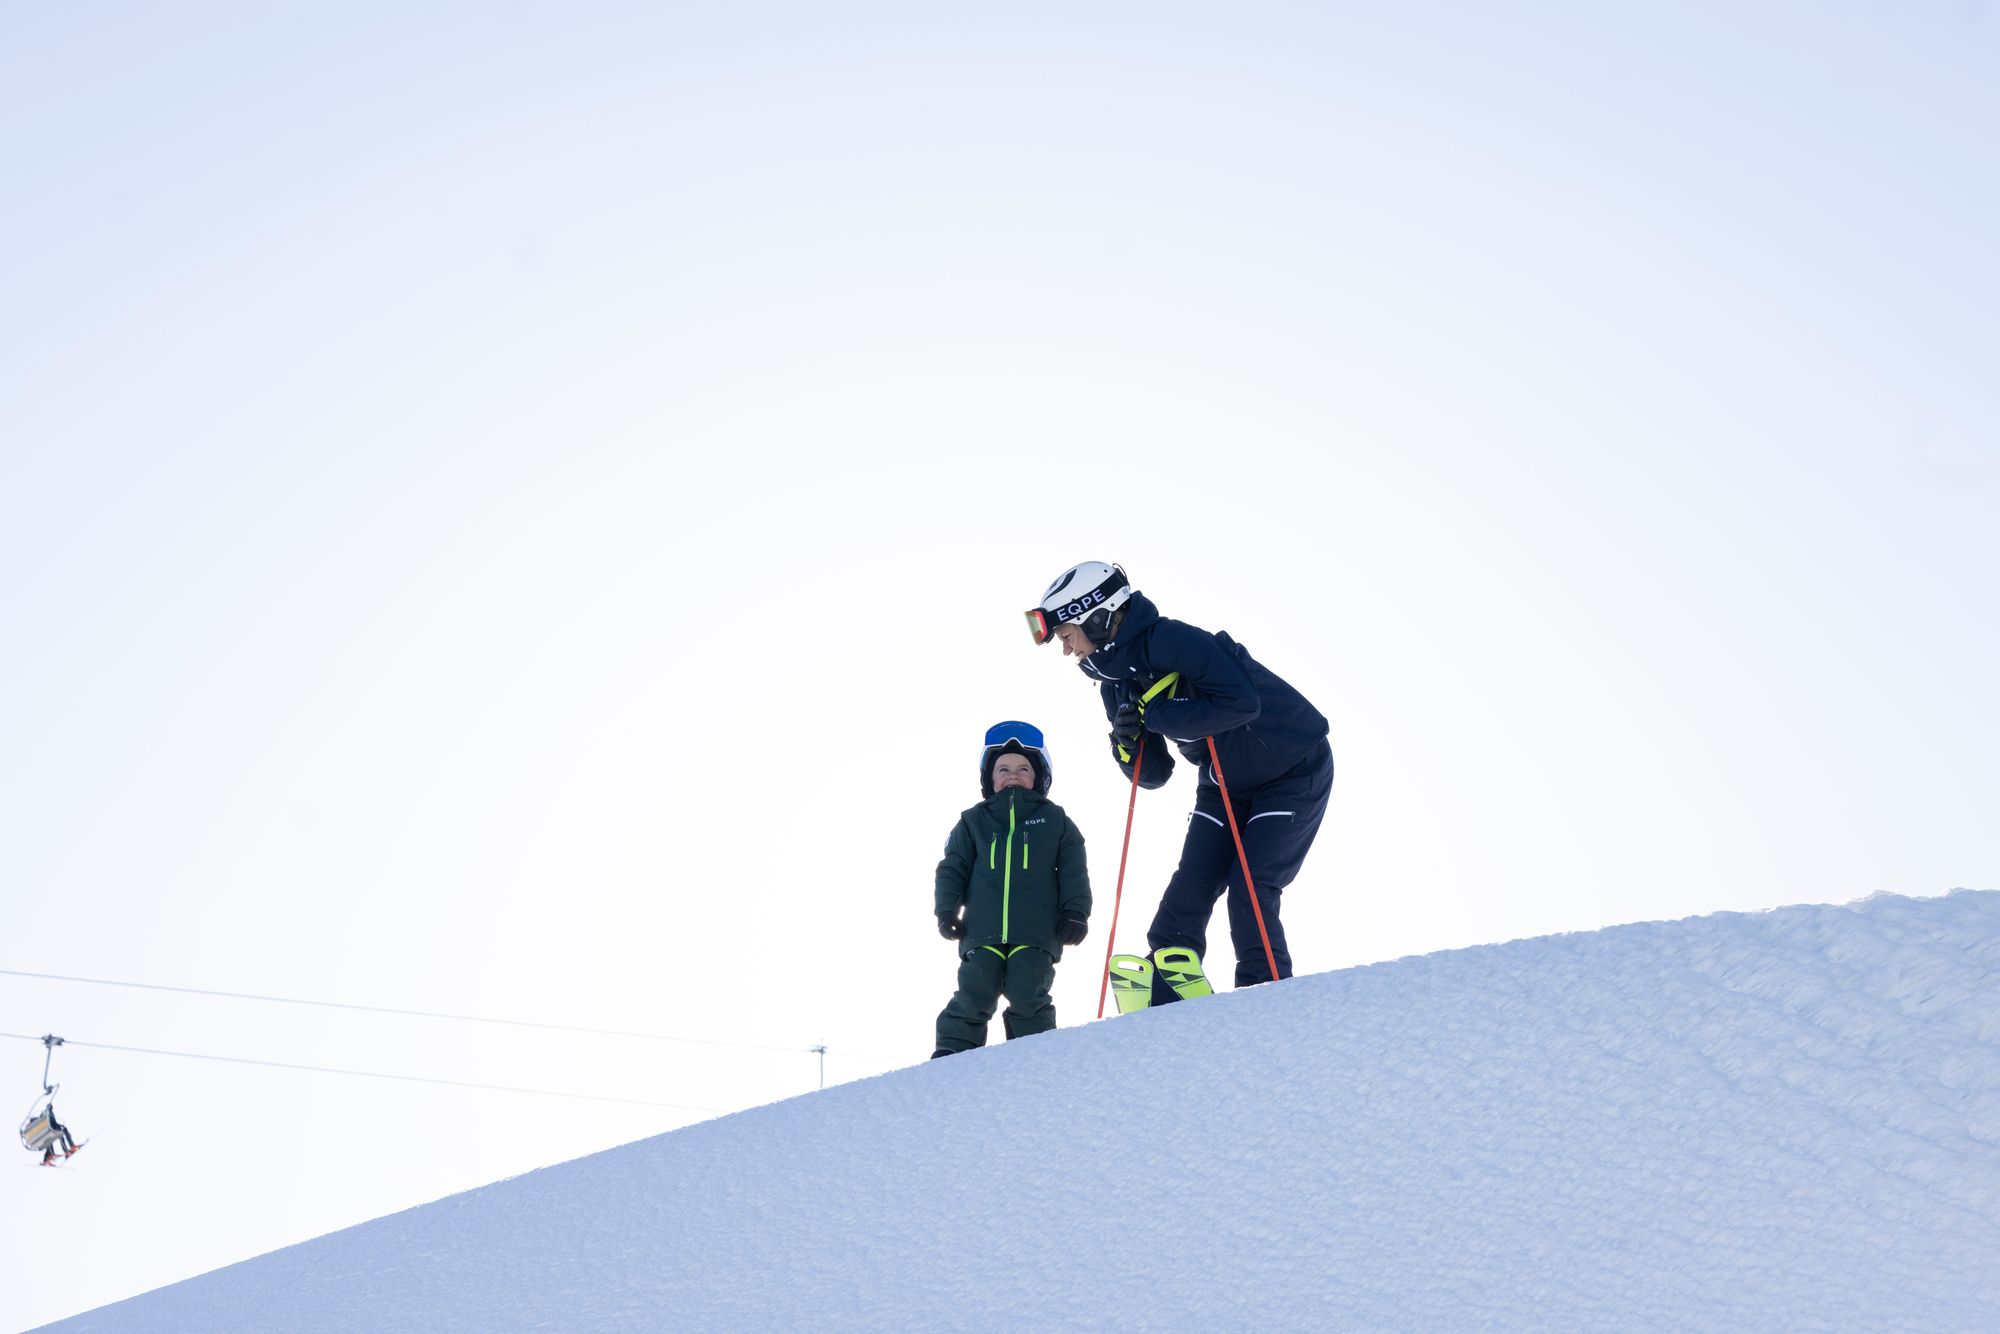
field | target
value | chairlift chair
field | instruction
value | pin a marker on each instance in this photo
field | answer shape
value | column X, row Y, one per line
column 41, row 1129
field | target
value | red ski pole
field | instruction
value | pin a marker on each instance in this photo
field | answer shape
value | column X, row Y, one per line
column 1242, row 856
column 1111, row 936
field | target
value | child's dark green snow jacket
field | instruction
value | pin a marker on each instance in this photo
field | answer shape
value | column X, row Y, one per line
column 1015, row 862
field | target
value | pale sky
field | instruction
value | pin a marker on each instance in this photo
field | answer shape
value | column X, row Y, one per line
column 527, row 516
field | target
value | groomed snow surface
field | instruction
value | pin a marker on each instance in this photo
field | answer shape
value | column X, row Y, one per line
column 1785, row 1120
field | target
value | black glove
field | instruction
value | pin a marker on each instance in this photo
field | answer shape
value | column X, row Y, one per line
column 950, row 927
column 1126, row 729
column 1072, row 928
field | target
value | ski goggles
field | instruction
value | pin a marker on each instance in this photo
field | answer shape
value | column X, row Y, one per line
column 1040, row 626
column 1026, row 734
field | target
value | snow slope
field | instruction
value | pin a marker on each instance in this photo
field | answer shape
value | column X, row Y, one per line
column 1785, row 1120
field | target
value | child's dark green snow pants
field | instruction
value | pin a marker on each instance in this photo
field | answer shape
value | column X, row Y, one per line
column 1022, row 974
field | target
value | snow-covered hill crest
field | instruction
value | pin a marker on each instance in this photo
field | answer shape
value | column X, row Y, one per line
column 1776, row 1120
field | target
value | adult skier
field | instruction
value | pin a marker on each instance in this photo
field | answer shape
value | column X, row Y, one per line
column 1166, row 681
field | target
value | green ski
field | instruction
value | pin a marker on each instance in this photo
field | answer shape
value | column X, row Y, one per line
column 1181, row 967
column 1131, row 982
column 1132, row 976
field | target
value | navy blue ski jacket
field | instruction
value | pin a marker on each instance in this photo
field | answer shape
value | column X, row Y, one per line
column 1262, row 727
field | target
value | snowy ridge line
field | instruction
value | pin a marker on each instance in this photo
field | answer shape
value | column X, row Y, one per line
column 438, row 1014
column 1783, row 1120
column 379, row 1074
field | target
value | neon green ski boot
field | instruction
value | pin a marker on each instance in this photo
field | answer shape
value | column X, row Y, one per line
column 1180, row 967
column 1131, row 981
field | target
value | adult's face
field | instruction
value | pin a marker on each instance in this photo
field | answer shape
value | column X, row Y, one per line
column 1076, row 644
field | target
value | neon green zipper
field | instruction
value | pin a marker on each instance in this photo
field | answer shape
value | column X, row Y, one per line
column 1007, row 874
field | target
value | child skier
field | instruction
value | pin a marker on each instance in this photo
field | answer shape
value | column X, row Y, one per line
column 1012, row 890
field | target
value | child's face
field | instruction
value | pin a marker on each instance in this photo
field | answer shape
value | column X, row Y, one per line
column 1012, row 771
column 1076, row 644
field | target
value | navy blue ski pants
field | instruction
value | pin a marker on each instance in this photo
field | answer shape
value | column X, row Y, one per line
column 1278, row 821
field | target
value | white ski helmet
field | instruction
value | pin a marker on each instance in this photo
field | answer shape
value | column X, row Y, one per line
column 1089, row 595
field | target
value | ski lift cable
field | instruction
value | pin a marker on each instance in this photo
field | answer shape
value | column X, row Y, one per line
column 412, row 1014
column 377, row 1074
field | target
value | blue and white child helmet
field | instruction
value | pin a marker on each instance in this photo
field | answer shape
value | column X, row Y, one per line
column 1014, row 738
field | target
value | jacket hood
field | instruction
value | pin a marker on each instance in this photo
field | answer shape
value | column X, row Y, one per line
column 1036, row 756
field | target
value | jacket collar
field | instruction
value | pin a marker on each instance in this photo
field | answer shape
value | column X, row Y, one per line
column 1113, row 660
column 1023, row 799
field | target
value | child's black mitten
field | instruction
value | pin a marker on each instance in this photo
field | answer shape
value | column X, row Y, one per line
column 950, row 927
column 1072, row 928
